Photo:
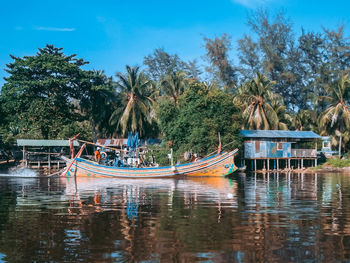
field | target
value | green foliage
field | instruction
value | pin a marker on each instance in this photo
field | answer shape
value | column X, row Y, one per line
column 338, row 162
column 221, row 68
column 37, row 96
column 160, row 154
column 335, row 120
column 98, row 103
column 135, row 112
column 160, row 64
column 71, row 129
column 256, row 100
column 203, row 111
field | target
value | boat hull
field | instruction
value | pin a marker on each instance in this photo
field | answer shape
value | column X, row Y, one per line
column 217, row 165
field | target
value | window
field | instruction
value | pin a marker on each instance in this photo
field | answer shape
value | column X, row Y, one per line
column 279, row 146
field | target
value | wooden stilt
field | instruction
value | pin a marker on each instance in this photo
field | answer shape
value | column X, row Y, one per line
column 278, row 165
column 254, row 164
column 268, row 164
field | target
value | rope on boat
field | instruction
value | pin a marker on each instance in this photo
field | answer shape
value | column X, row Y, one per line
column 217, row 150
column 91, row 143
column 59, row 172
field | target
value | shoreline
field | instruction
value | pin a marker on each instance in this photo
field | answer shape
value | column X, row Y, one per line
column 309, row 170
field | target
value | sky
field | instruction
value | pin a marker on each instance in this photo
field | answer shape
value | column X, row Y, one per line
column 112, row 33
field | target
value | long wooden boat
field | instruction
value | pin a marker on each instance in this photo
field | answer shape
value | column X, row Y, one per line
column 217, row 165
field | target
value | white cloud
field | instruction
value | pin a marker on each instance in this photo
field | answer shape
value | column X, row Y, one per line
column 60, row 29
column 251, row 3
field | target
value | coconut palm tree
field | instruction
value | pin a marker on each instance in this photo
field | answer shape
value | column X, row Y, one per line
column 305, row 120
column 254, row 98
column 283, row 117
column 136, row 111
column 336, row 118
column 173, row 85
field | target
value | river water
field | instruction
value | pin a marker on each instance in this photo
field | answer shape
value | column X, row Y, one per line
column 246, row 218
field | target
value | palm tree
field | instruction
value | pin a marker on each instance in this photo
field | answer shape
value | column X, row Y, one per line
column 254, row 98
column 136, row 111
column 305, row 120
column 283, row 117
column 336, row 118
column 174, row 85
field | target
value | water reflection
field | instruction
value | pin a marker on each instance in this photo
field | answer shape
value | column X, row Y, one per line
column 247, row 218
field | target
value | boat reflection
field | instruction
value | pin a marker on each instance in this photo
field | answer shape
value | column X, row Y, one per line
column 246, row 218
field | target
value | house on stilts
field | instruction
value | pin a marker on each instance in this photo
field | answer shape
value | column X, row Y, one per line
column 279, row 149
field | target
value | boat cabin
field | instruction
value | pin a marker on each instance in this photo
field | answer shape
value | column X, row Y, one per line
column 277, row 149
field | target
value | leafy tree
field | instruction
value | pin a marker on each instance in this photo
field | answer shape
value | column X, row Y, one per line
column 203, row 111
column 275, row 54
column 136, row 110
column 98, row 102
column 336, row 118
column 160, row 64
column 37, row 96
column 192, row 70
column 254, row 97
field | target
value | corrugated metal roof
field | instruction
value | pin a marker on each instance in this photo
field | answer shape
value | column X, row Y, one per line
column 280, row 134
column 47, row 143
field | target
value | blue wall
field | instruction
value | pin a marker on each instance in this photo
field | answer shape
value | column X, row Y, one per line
column 266, row 149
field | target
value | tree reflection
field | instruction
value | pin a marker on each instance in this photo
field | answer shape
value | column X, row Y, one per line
column 271, row 217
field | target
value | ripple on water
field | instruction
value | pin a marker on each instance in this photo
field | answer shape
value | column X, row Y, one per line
column 244, row 219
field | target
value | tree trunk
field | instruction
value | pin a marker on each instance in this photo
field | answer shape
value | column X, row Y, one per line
column 340, row 141
column 94, row 133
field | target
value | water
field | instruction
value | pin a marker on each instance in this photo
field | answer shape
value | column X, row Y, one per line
column 248, row 218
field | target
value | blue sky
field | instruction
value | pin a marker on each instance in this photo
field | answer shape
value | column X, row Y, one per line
column 111, row 33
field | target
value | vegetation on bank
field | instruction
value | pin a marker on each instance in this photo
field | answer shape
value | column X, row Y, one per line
column 280, row 82
column 333, row 162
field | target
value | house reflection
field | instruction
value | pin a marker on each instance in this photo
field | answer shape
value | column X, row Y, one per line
column 248, row 218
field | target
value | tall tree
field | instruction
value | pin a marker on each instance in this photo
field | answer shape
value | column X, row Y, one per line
column 97, row 102
column 203, row 111
column 173, row 85
column 217, row 54
column 254, row 97
column 336, row 118
column 37, row 96
column 305, row 120
column 160, row 63
column 136, row 110
column 275, row 54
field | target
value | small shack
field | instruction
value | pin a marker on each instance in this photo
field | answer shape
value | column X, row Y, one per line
column 278, row 149
column 44, row 154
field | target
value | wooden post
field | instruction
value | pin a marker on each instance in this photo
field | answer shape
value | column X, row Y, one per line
column 289, row 164
column 316, row 162
column 24, row 159
column 268, row 164
column 278, row 165
column 254, row 164
column 264, row 165
column 49, row 160
column 302, row 163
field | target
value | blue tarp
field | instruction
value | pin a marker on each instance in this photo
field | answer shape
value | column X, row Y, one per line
column 133, row 140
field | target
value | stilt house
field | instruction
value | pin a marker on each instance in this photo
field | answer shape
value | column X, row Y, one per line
column 277, row 149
